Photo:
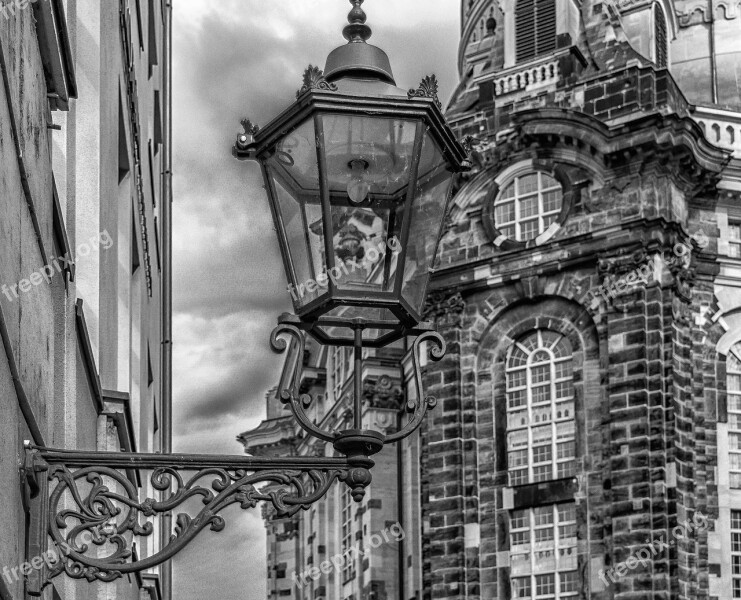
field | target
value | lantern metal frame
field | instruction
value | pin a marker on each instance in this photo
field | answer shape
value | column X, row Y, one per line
column 320, row 97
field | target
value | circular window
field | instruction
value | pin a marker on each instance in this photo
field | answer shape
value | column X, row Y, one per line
column 527, row 206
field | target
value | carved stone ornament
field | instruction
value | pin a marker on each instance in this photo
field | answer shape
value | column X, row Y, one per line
column 683, row 274
column 443, row 306
column 427, row 89
column 469, row 144
column 314, row 80
column 621, row 263
column 384, row 393
column 620, row 274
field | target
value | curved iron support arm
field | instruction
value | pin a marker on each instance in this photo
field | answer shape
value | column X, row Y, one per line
column 361, row 442
column 94, row 511
column 421, row 404
column 298, row 402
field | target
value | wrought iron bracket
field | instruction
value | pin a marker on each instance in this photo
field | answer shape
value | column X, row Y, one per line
column 87, row 521
column 87, row 510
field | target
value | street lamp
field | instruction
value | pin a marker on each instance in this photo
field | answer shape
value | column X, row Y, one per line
column 358, row 175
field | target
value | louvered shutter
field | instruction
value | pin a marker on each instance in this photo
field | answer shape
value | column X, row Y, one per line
column 535, row 28
column 545, row 26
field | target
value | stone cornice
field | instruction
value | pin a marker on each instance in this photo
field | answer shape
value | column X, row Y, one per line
column 673, row 142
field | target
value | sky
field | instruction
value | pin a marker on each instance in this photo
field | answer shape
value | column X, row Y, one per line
column 235, row 59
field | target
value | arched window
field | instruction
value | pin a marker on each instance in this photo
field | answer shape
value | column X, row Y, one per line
column 491, row 26
column 540, row 409
column 527, row 206
column 535, row 28
column 662, row 48
column 733, row 387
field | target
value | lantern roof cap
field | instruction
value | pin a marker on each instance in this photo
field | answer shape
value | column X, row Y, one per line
column 357, row 58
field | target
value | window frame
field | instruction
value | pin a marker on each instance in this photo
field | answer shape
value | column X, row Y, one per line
column 735, row 554
column 733, row 370
column 346, row 533
column 555, row 170
column 734, row 238
column 518, row 199
column 523, row 393
column 558, row 545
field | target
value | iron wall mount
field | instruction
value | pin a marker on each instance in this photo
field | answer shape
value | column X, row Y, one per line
column 89, row 506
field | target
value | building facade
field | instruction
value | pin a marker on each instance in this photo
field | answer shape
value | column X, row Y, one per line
column 587, row 437
column 82, row 133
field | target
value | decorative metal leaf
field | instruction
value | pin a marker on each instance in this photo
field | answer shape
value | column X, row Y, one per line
column 314, row 80
column 468, row 143
column 249, row 127
column 427, row 89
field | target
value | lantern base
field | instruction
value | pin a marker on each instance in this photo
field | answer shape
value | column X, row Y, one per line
column 339, row 331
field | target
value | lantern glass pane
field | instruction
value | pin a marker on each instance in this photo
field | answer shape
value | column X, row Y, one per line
column 368, row 161
column 370, row 155
column 428, row 211
column 294, row 175
column 366, row 247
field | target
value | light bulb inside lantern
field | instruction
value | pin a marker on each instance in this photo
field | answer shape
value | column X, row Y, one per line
column 358, row 188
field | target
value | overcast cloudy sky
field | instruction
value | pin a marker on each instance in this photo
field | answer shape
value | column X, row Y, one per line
column 235, row 59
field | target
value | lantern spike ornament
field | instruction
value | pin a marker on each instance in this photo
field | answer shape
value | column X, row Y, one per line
column 358, row 174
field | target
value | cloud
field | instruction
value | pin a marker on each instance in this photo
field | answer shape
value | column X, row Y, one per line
column 227, row 564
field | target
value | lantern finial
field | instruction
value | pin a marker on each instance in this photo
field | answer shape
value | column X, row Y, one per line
column 357, row 31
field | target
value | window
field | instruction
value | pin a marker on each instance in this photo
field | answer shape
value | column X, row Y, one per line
column 340, row 369
column 540, row 409
column 124, row 164
column 543, row 552
column 733, row 386
column 152, row 49
column 736, row 550
column 491, row 26
column 528, row 206
column 734, row 239
column 348, row 570
column 661, row 37
column 535, row 28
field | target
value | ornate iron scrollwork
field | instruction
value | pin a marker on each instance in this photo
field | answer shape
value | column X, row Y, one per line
column 91, row 505
column 95, row 512
column 417, row 407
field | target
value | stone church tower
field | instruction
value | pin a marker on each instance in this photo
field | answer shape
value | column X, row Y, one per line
column 589, row 417
column 587, row 438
